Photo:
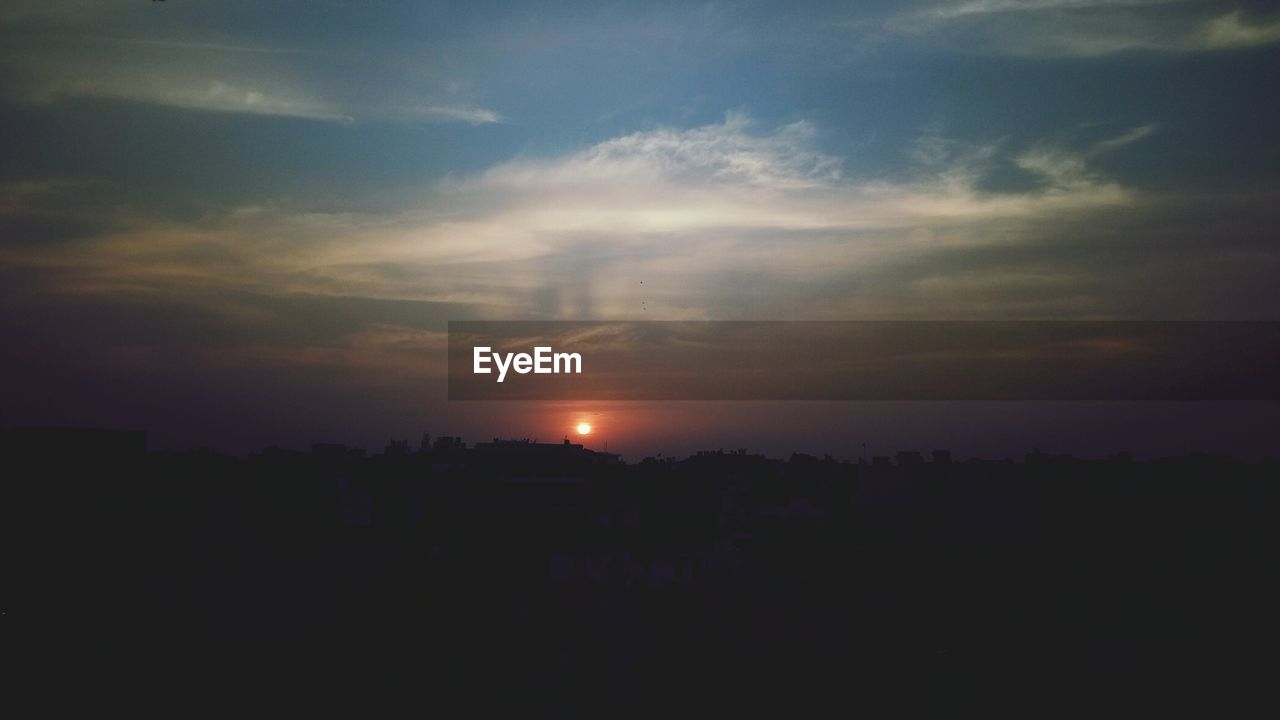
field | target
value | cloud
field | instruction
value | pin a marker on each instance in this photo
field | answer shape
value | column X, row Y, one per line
column 1231, row 31
column 726, row 176
column 231, row 93
column 225, row 77
column 701, row 214
column 459, row 113
column 1066, row 170
column 990, row 7
column 1077, row 28
column 721, row 154
column 1123, row 139
column 261, row 96
column 728, row 220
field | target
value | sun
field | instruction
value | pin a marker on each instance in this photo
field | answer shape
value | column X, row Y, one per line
column 583, row 428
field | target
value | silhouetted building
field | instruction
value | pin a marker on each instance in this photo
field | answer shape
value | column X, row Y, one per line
column 448, row 442
column 335, row 452
column 909, row 458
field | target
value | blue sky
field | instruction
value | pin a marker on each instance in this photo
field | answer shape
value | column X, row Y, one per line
column 311, row 189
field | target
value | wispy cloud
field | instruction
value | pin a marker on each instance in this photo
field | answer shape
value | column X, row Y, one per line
column 990, row 7
column 261, row 95
column 1123, row 139
column 1079, row 28
column 444, row 113
column 217, row 47
column 253, row 96
column 223, row 77
column 1233, row 31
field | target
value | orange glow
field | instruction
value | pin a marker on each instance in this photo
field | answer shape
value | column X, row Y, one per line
column 584, row 428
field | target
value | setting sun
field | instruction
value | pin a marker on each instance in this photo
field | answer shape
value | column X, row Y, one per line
column 584, row 428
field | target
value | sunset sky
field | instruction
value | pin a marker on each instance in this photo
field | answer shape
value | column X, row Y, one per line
column 236, row 224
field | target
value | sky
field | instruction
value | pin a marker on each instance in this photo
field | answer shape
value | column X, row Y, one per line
column 236, row 224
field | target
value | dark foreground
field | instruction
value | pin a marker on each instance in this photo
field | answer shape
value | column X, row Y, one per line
column 547, row 580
